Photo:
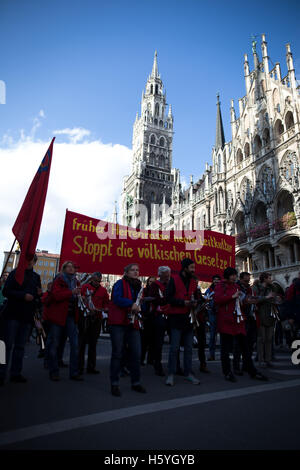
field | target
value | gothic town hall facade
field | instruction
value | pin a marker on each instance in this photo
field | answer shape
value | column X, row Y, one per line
column 252, row 188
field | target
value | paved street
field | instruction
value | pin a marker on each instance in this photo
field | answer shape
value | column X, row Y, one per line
column 214, row 415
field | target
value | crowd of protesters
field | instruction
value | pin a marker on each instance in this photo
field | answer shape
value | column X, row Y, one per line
column 246, row 318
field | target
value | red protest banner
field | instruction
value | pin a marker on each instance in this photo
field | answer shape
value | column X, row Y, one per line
column 96, row 245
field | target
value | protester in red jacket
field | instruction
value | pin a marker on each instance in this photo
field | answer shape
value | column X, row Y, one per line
column 96, row 299
column 179, row 294
column 231, row 324
column 124, row 328
column 63, row 312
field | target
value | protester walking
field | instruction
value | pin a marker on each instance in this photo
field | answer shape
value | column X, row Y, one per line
column 62, row 314
column 181, row 290
column 231, row 324
column 22, row 302
column 124, row 326
column 96, row 300
column 267, row 314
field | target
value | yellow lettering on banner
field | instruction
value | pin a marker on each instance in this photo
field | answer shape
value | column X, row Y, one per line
column 77, row 244
column 97, row 250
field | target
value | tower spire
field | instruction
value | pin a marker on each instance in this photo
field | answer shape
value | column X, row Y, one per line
column 155, row 68
column 220, row 137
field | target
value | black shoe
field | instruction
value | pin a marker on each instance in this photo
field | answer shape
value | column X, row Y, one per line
column 115, row 391
column 92, row 371
column 78, row 378
column 179, row 371
column 238, row 372
column 62, row 364
column 230, row 377
column 259, row 376
column 18, row 379
column 138, row 388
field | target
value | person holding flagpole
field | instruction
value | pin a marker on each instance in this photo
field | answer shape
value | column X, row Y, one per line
column 23, row 286
column 22, row 301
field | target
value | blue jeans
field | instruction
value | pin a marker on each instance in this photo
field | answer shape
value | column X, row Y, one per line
column 121, row 335
column 54, row 341
column 15, row 337
column 187, row 336
column 212, row 318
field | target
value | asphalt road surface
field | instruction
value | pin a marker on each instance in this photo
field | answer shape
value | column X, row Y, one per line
column 216, row 414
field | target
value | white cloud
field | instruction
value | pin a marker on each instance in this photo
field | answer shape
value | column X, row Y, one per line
column 75, row 135
column 86, row 177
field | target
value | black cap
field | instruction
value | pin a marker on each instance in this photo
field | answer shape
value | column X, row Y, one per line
column 186, row 262
column 97, row 274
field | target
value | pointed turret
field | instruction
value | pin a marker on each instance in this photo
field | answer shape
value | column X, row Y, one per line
column 155, row 68
column 220, row 137
column 254, row 51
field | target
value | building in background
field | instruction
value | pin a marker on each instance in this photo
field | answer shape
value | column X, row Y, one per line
column 252, row 188
column 46, row 266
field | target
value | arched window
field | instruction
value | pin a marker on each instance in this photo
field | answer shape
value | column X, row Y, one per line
column 239, row 156
column 162, row 142
column 285, row 203
column 289, row 120
column 266, row 137
column 161, row 161
column 156, row 109
column 257, row 143
column 155, row 122
column 260, row 214
column 247, row 150
column 289, row 164
column 156, row 89
column 152, row 197
column 152, row 159
column 275, row 98
column 219, row 164
column 151, row 89
column 279, row 129
column 216, row 202
column 221, row 200
column 161, row 124
column 152, row 140
column 267, row 181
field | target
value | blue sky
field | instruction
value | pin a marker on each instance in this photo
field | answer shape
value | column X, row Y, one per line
column 85, row 63
column 79, row 68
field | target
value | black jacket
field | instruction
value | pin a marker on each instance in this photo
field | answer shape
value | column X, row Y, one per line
column 17, row 308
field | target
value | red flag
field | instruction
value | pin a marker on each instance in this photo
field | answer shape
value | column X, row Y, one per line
column 28, row 223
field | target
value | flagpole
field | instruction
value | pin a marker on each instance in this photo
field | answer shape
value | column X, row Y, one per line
column 7, row 259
